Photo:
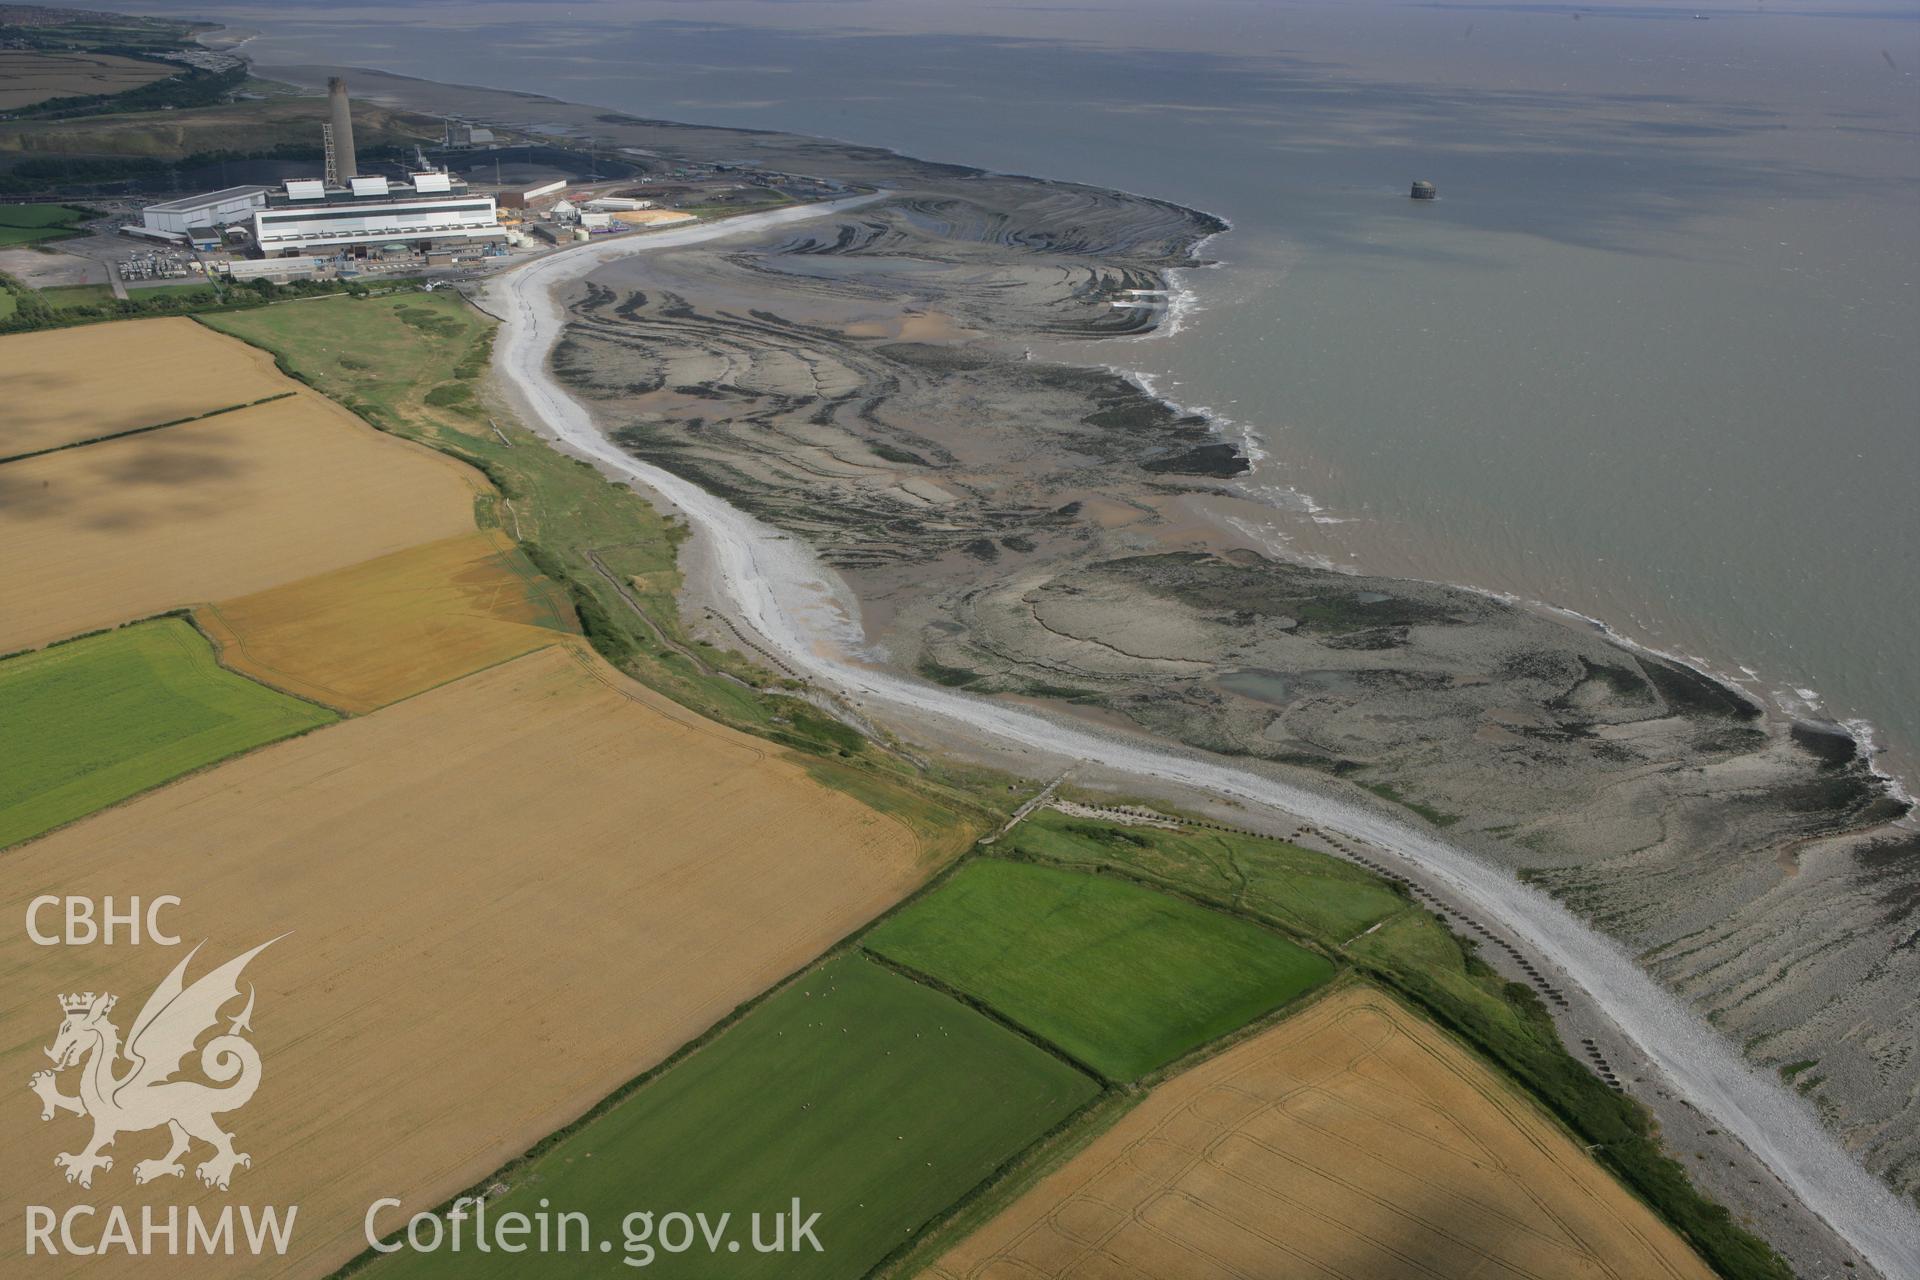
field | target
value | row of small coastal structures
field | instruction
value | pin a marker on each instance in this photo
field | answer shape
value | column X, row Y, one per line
column 354, row 219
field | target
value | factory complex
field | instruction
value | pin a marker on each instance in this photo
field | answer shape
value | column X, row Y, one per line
column 344, row 222
column 433, row 211
column 343, row 214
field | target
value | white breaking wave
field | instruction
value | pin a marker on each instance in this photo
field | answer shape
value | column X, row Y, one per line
column 1183, row 301
column 801, row 610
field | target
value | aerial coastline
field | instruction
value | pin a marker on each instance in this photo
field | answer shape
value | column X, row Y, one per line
column 1003, row 648
column 1182, row 301
column 966, row 571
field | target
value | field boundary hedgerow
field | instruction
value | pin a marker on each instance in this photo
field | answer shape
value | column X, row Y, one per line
column 140, row 431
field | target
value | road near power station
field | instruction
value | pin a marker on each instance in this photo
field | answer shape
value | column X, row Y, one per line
column 774, row 587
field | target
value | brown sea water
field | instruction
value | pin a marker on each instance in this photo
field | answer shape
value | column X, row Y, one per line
column 1651, row 356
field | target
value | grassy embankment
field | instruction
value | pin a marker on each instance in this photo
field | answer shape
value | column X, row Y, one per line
column 94, row 720
column 413, row 364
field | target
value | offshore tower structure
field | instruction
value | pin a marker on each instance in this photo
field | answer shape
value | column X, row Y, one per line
column 342, row 165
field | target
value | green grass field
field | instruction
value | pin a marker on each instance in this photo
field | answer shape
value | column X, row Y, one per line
column 179, row 292
column 1321, row 897
column 28, row 223
column 1122, row 978
column 77, row 295
column 96, row 720
column 875, row 1100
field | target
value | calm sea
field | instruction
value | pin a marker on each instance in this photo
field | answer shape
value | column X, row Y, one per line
column 1654, row 355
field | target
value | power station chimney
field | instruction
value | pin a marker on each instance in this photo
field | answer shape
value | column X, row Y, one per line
column 342, row 164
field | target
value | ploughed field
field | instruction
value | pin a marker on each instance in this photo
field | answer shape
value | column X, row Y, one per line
column 1352, row 1139
column 63, row 386
column 505, row 897
column 209, row 509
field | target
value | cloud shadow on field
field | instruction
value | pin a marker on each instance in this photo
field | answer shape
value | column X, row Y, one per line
column 164, row 477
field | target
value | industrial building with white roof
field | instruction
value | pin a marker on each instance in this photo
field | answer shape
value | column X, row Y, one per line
column 428, row 213
column 345, row 212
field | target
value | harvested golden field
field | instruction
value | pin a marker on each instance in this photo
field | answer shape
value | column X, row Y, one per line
column 507, row 896
column 391, row 627
column 209, row 510
column 28, row 76
column 1353, row 1139
column 62, row 386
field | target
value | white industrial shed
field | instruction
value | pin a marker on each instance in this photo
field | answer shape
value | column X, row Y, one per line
column 214, row 209
column 443, row 222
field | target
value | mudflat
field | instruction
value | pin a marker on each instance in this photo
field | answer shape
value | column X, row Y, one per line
column 1030, row 529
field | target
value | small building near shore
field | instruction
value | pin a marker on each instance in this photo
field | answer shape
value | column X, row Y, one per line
column 277, row 270
column 527, row 197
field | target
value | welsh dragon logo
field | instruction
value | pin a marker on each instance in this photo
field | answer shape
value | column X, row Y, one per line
column 143, row 1094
